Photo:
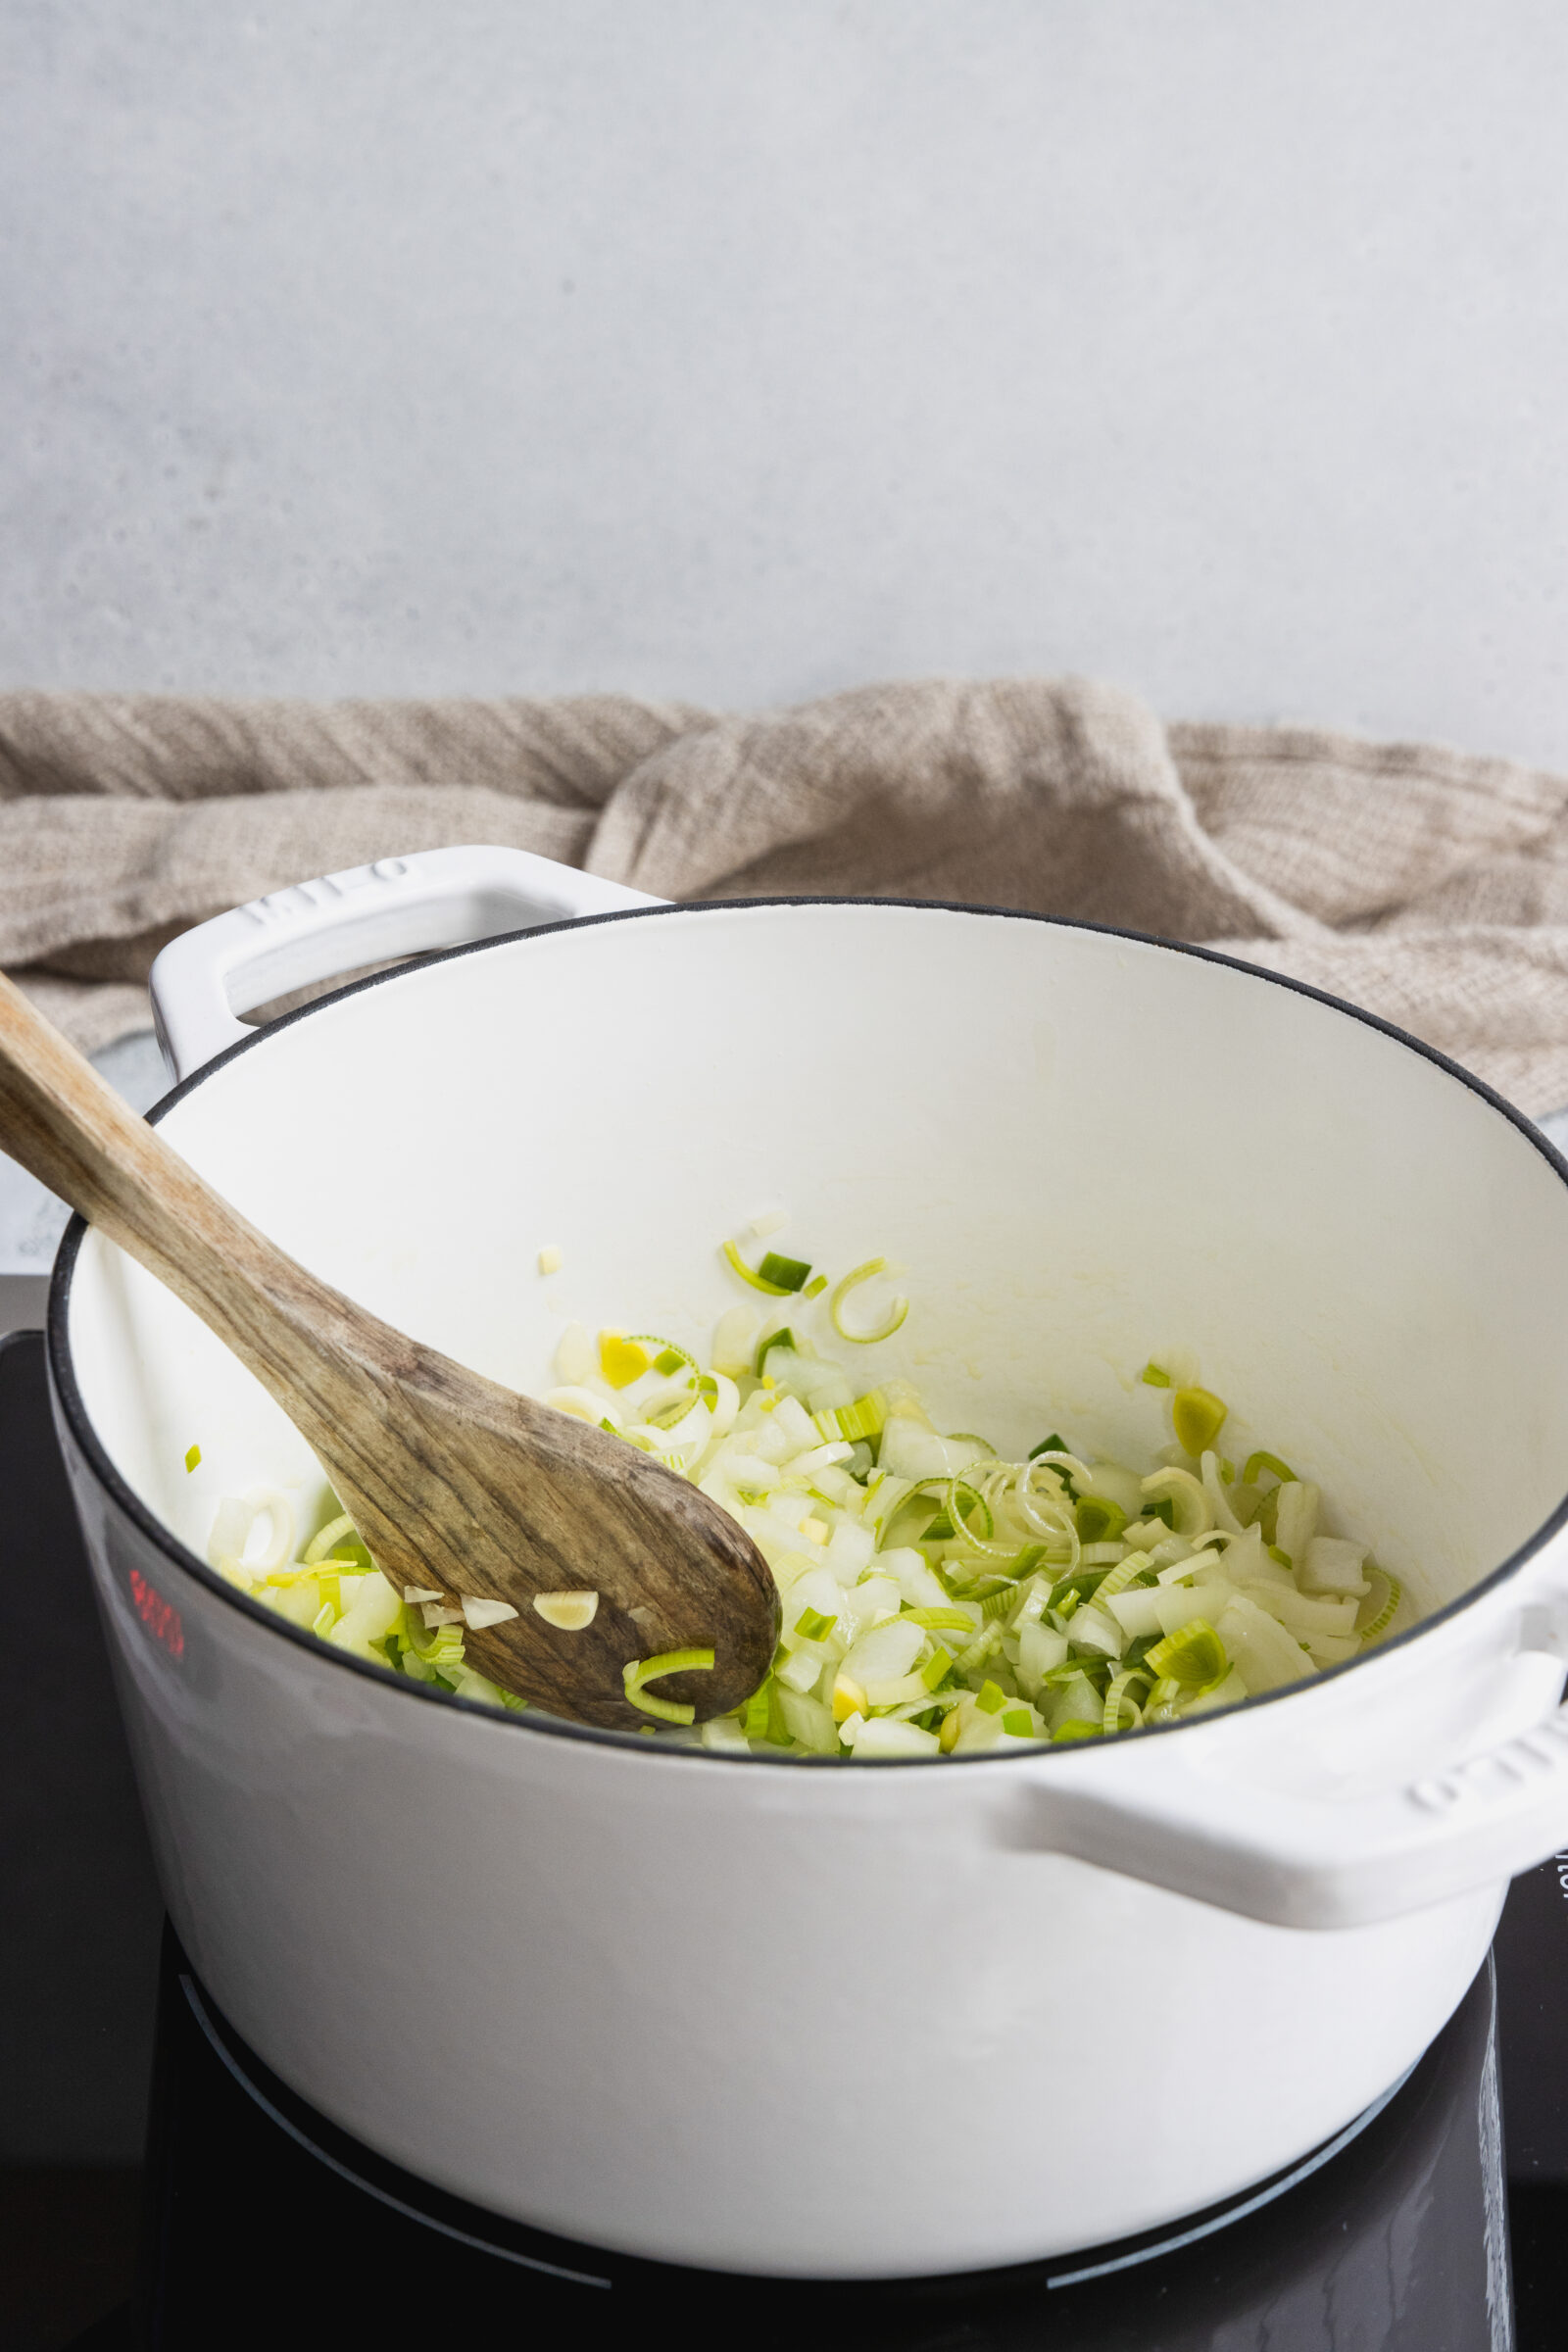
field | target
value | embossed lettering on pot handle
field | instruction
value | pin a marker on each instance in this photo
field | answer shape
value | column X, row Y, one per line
column 367, row 914
column 1152, row 1812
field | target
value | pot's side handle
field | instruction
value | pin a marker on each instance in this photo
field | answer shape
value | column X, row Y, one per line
column 1301, row 1862
column 367, row 914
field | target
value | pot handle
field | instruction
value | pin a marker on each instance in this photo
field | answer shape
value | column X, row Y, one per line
column 1151, row 1812
column 366, row 914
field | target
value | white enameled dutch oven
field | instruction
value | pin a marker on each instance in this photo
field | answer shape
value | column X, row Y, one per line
column 843, row 2020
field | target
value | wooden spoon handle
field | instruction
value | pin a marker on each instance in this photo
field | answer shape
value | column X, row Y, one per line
column 66, row 1125
column 452, row 1480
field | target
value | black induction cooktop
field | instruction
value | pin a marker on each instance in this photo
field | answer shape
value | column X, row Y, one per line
column 160, row 2189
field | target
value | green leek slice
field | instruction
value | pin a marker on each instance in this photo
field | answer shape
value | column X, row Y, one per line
column 1124, row 1573
column 1117, row 1698
column 1082, row 1584
column 320, row 1547
column 1194, row 1657
column 1098, row 1519
column 1268, row 1461
column 1071, row 1670
column 958, row 1514
column 841, row 1290
column 865, row 1419
column 964, row 1584
column 442, row 1649
column 784, row 1273
column 750, row 1274
column 637, row 1672
column 668, row 1357
column 1198, row 1416
column 1160, row 1704
column 1385, row 1614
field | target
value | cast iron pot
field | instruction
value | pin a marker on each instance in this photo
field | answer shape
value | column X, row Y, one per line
column 843, row 2020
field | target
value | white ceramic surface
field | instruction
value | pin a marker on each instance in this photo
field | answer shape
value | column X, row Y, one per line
column 700, row 2008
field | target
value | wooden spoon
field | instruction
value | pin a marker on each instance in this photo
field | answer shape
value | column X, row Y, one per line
column 455, row 1484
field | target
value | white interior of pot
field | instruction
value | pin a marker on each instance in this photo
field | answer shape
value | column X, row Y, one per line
column 1082, row 1150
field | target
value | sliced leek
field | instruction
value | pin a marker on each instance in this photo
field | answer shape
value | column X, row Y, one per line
column 864, row 1418
column 1198, row 1416
column 892, row 1320
column 939, row 1599
column 1098, row 1520
column 1194, row 1657
column 1261, row 1461
column 1380, row 1623
column 637, row 1673
column 784, row 1273
column 753, row 1276
column 1122, row 1712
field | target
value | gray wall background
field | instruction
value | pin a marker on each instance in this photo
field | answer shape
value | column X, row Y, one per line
column 741, row 349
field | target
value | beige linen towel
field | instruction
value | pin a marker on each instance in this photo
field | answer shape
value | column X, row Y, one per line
column 1428, row 886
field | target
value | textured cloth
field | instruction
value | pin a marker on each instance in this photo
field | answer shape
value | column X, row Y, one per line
column 1428, row 886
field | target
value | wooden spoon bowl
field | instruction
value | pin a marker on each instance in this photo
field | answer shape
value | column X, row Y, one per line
column 456, row 1484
